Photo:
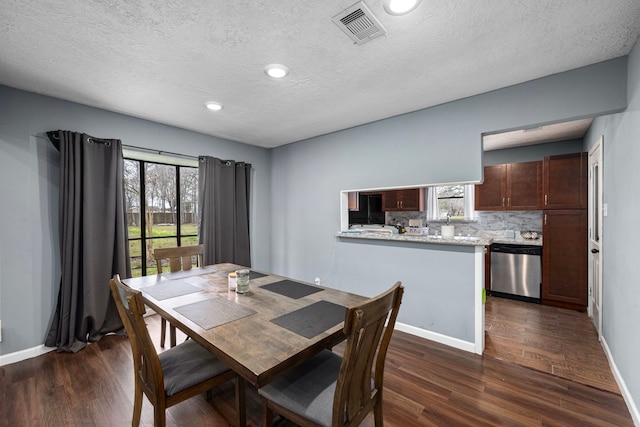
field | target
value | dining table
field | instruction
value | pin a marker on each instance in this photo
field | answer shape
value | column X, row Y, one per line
column 260, row 334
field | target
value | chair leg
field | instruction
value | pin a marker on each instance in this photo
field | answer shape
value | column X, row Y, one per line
column 159, row 416
column 163, row 331
column 172, row 332
column 241, row 401
column 137, row 405
column 377, row 413
column 267, row 414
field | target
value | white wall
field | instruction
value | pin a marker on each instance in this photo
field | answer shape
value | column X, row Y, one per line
column 29, row 263
column 621, row 235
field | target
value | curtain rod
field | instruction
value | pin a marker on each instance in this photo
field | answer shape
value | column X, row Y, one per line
column 53, row 135
column 159, row 152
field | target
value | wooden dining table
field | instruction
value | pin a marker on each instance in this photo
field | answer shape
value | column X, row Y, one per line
column 261, row 334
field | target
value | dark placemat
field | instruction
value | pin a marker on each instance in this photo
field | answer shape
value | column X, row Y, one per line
column 255, row 275
column 213, row 312
column 169, row 289
column 291, row 289
column 313, row 319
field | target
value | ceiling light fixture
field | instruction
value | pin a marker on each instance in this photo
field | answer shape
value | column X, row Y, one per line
column 277, row 71
column 213, row 106
column 400, row 7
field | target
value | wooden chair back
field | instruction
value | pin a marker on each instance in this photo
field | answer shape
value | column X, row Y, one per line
column 146, row 363
column 180, row 258
column 368, row 327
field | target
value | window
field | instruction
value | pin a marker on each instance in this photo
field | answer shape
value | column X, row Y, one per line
column 162, row 210
column 452, row 201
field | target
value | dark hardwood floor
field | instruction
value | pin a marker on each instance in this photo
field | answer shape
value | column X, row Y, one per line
column 554, row 340
column 426, row 384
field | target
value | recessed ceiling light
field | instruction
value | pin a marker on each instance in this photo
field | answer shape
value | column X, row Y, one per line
column 400, row 7
column 213, row 106
column 277, row 71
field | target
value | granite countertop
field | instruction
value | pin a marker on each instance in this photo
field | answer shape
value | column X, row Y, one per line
column 438, row 240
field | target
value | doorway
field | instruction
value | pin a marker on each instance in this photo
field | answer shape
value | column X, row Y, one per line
column 596, row 211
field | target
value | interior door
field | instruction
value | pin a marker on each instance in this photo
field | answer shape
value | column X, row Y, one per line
column 595, row 235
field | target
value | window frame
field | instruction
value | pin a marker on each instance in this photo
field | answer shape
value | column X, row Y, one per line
column 142, row 210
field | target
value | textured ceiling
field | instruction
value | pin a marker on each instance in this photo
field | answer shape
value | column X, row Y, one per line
column 162, row 60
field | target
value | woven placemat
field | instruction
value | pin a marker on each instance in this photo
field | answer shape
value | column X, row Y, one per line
column 169, row 289
column 213, row 312
column 291, row 289
column 313, row 319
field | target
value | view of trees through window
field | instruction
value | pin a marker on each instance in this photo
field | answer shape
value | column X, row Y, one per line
column 451, row 201
column 162, row 210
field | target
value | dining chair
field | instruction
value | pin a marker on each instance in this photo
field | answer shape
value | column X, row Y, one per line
column 329, row 390
column 174, row 375
column 180, row 258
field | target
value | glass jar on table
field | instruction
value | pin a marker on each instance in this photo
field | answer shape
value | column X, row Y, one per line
column 242, row 285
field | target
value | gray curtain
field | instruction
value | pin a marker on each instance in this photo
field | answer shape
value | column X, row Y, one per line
column 223, row 187
column 93, row 239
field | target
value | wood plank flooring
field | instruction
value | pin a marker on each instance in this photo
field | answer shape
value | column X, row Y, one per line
column 554, row 340
column 426, row 384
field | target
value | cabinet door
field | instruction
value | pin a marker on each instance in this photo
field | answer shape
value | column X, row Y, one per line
column 491, row 194
column 564, row 258
column 565, row 181
column 411, row 199
column 390, row 201
column 524, row 186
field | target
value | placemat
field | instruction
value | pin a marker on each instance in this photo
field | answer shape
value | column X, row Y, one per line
column 313, row 319
column 213, row 312
column 291, row 289
column 255, row 275
column 188, row 273
column 169, row 289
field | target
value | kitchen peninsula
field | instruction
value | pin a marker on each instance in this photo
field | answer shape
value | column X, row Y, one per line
column 443, row 278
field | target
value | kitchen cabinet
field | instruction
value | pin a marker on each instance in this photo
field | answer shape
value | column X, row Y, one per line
column 565, row 181
column 411, row 199
column 514, row 186
column 564, row 258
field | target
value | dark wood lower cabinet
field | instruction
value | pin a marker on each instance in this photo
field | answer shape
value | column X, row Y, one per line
column 564, row 259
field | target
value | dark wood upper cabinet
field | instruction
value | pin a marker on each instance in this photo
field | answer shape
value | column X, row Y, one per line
column 564, row 258
column 524, row 186
column 514, row 186
column 565, row 181
column 411, row 199
column 490, row 195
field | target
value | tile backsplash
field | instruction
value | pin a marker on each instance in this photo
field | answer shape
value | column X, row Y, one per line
column 487, row 223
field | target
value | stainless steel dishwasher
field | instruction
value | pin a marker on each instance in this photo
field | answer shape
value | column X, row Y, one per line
column 516, row 271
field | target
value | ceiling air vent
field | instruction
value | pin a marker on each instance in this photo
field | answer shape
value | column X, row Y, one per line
column 359, row 23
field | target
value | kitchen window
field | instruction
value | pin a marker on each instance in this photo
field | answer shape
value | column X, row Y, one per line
column 450, row 201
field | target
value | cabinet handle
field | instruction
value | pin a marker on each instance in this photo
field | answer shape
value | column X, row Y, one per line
column 546, row 199
column 545, row 219
column 503, row 201
column 509, row 201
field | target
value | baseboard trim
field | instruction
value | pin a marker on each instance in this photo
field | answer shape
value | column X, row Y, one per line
column 633, row 409
column 439, row 338
column 25, row 354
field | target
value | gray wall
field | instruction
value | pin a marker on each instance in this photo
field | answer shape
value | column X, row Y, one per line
column 29, row 263
column 532, row 153
column 435, row 145
column 621, row 252
column 431, row 146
